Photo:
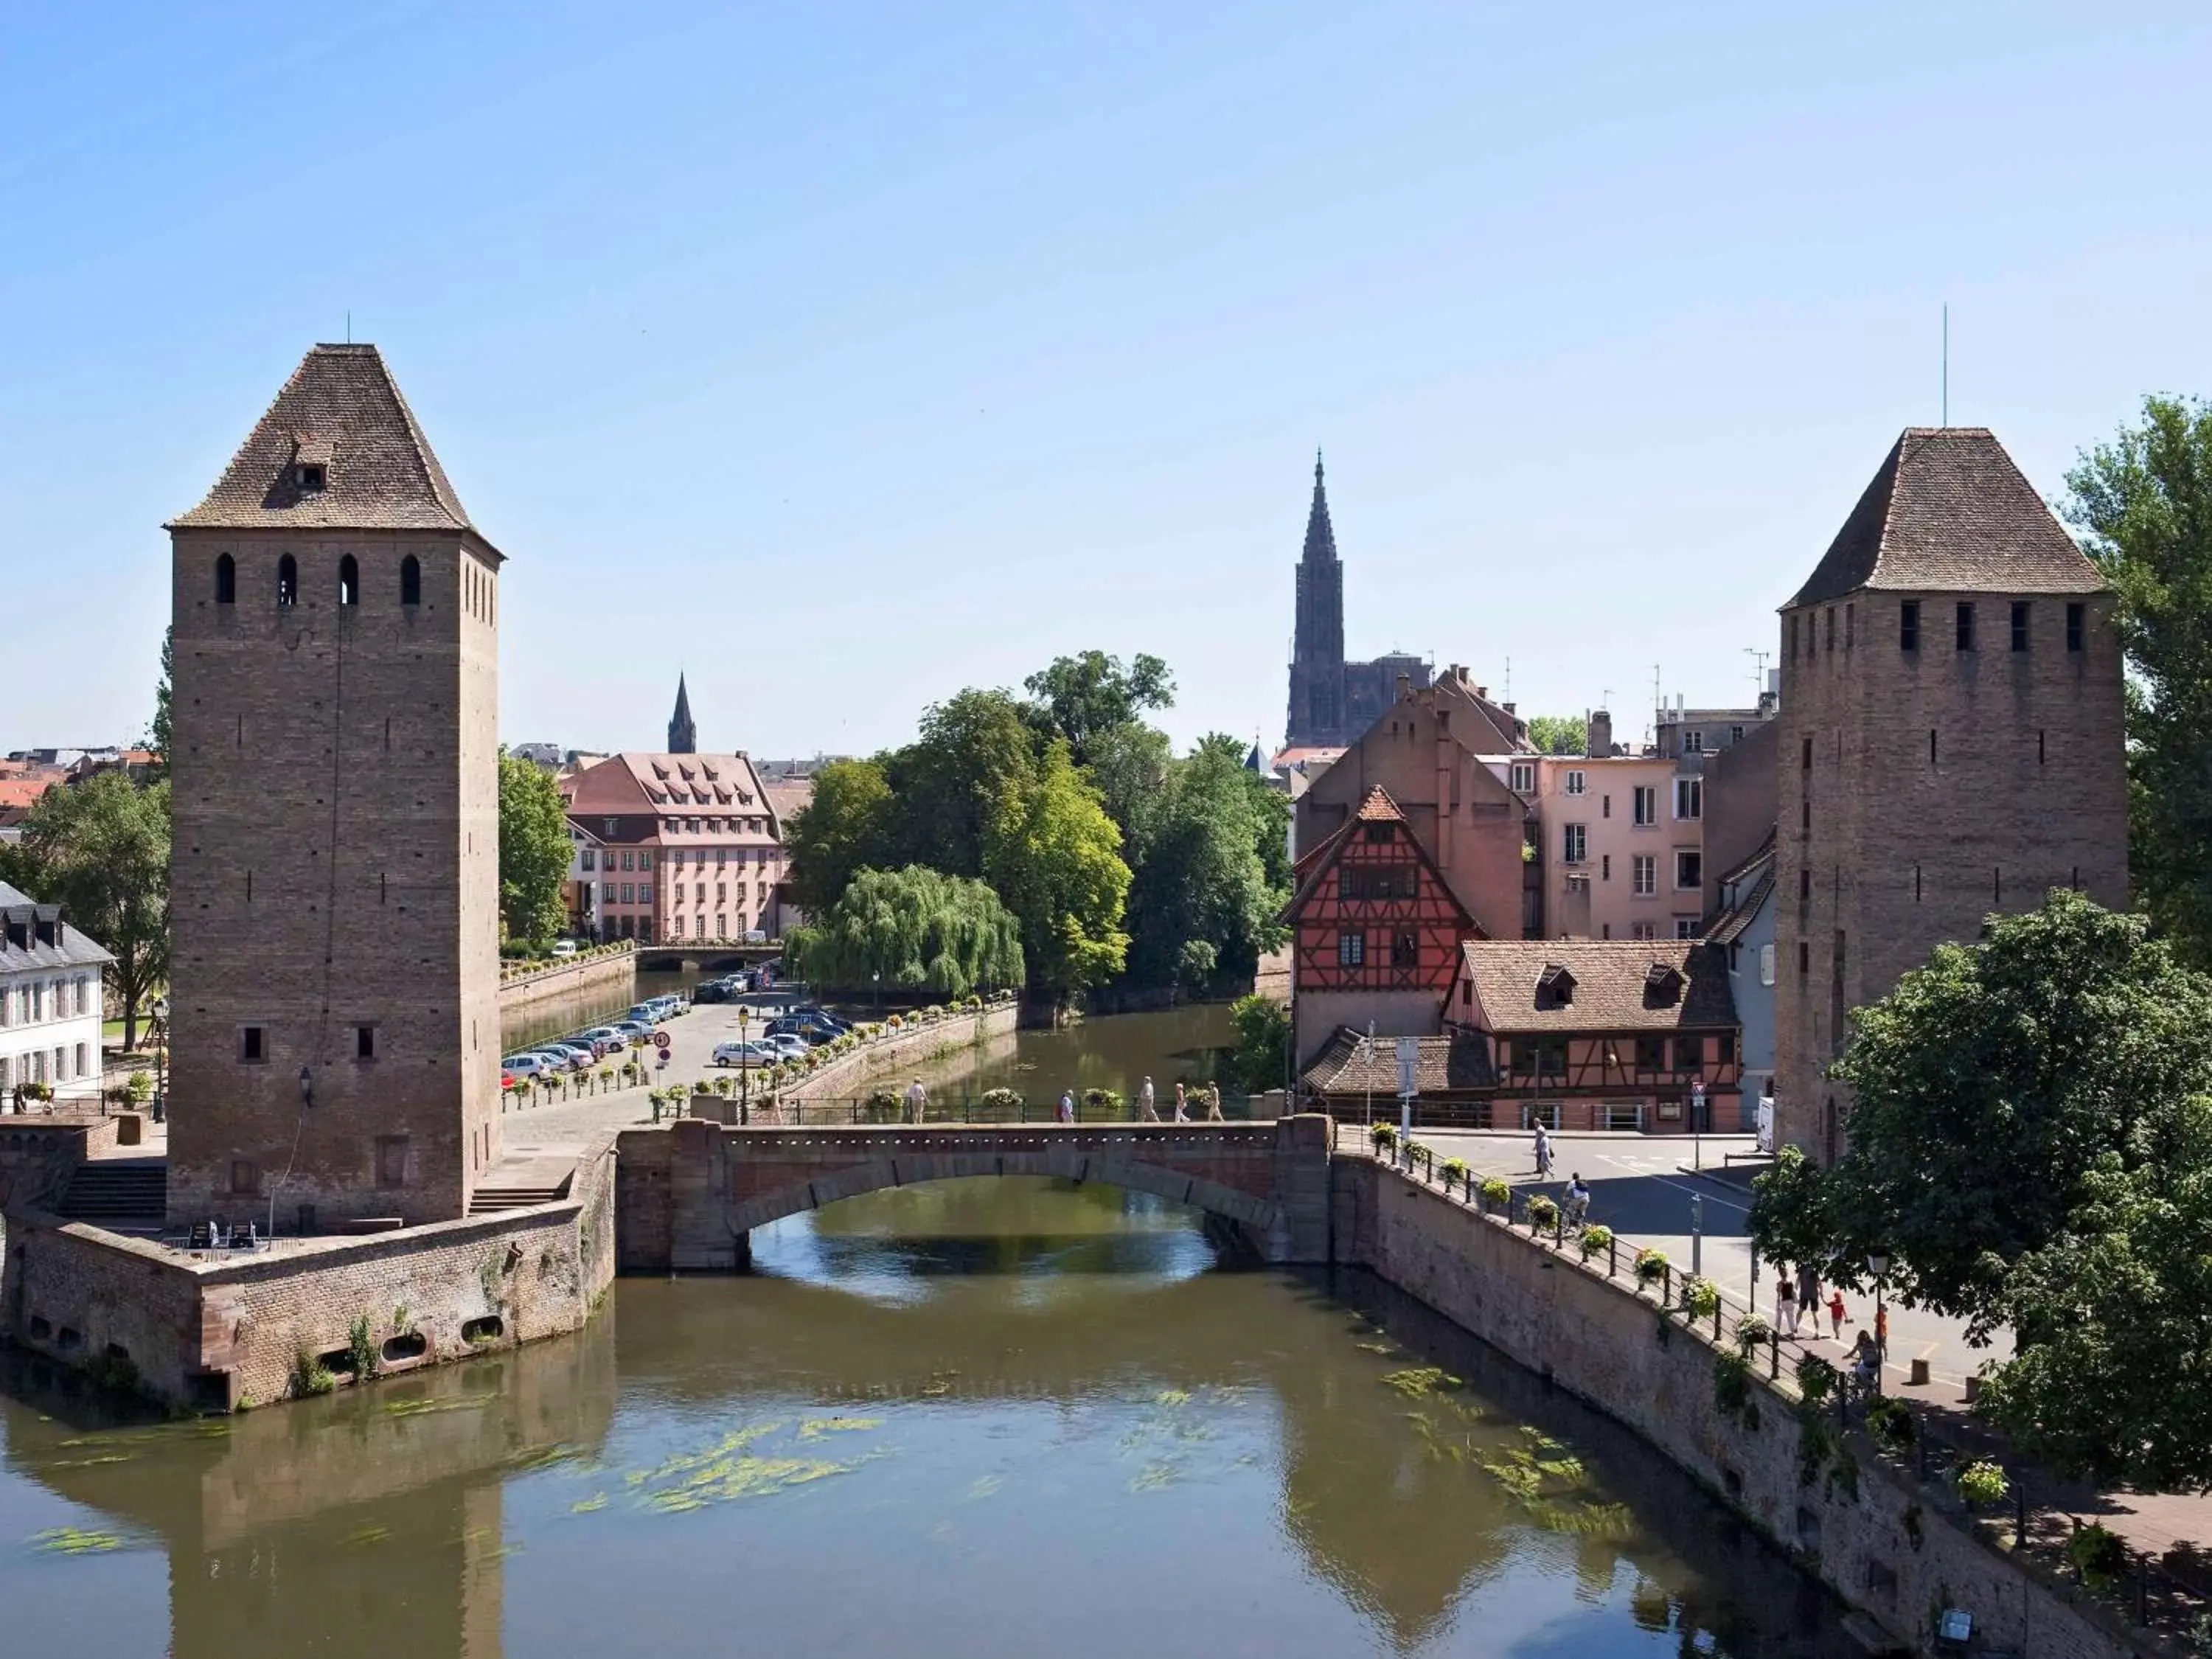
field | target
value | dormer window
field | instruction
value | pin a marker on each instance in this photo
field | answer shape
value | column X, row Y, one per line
column 1663, row 983
column 1555, row 987
column 311, row 476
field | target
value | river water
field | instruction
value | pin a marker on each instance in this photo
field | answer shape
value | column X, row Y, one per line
column 993, row 1419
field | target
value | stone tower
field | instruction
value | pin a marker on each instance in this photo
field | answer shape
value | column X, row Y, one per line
column 683, row 737
column 1949, row 744
column 335, row 980
column 1317, row 707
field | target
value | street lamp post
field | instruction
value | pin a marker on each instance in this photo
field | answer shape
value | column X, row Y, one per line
column 745, row 1066
column 160, row 1035
column 878, row 980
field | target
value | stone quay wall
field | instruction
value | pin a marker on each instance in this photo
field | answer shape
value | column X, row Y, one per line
column 567, row 979
column 216, row 1331
column 1877, row 1546
column 851, row 1072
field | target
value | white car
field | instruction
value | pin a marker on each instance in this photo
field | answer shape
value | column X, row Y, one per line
column 754, row 1053
column 787, row 1046
column 519, row 1067
column 564, row 947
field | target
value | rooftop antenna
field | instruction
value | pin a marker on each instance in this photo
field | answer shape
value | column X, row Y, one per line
column 1758, row 670
column 348, row 325
column 1509, row 681
column 1947, row 364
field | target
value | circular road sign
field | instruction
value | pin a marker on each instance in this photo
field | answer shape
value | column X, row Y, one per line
column 660, row 1039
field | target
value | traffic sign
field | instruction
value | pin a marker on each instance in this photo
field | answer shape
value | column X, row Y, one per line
column 660, row 1039
column 1409, row 1053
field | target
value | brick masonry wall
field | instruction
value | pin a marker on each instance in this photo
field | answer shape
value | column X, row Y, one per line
column 1600, row 1340
column 568, row 980
column 227, row 1333
column 2027, row 790
column 37, row 1156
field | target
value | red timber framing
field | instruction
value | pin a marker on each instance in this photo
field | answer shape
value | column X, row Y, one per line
column 1373, row 912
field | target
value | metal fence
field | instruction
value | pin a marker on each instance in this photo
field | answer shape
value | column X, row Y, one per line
column 2038, row 1518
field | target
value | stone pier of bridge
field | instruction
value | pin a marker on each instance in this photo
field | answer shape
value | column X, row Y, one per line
column 688, row 1194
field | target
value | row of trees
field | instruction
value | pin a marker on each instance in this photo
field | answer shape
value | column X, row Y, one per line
column 1115, row 858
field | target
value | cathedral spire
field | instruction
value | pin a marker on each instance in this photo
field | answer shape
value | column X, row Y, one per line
column 1321, row 536
column 683, row 739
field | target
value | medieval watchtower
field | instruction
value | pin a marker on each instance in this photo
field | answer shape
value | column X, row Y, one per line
column 1949, row 744
column 335, row 890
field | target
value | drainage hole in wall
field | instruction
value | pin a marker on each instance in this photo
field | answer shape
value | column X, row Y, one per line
column 490, row 1328
column 41, row 1328
column 70, row 1338
column 408, row 1345
column 338, row 1362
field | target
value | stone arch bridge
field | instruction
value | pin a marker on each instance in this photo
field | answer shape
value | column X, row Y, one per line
column 689, row 1193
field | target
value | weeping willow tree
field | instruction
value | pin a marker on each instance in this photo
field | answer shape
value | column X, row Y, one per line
column 915, row 928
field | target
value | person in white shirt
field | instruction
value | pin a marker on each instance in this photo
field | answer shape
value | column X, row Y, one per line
column 1147, row 1107
column 917, row 1101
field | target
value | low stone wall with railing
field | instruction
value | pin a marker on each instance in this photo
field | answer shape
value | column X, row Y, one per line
column 522, row 983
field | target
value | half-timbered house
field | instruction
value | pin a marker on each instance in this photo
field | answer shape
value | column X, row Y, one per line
column 1598, row 1033
column 1377, row 931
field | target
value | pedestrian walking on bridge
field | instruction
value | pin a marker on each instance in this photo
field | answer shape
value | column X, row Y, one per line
column 1067, row 1105
column 1148, row 1107
column 917, row 1101
column 1785, row 1304
column 1543, row 1153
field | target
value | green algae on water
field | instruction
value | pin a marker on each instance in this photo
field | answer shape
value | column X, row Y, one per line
column 75, row 1541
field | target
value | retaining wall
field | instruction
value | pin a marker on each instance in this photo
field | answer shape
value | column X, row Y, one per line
column 1872, row 1540
column 220, row 1331
column 851, row 1072
column 567, row 979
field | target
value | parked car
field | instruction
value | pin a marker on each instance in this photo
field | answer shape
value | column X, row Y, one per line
column 628, row 1029
column 755, row 936
column 814, row 1031
column 575, row 1054
column 789, row 1044
column 754, row 1053
column 716, row 990
column 605, row 1039
column 525, row 1065
column 564, row 947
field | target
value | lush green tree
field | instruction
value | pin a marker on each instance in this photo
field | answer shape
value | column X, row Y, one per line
column 1054, row 858
column 1079, row 698
column 1559, row 734
column 1129, row 766
column 158, row 734
column 1215, row 871
column 1262, row 1060
column 949, row 783
column 101, row 849
column 534, row 850
column 849, row 823
column 2143, row 505
column 1987, row 1087
column 912, row 929
column 2109, row 1314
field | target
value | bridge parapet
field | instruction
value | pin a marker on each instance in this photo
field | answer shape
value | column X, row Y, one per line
column 689, row 1192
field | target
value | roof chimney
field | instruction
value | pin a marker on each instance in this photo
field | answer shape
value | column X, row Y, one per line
column 1405, row 686
column 1599, row 741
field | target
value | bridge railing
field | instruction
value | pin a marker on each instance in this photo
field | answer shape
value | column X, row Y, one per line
column 874, row 1110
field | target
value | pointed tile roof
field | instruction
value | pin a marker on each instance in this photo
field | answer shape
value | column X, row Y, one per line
column 341, row 411
column 1615, row 985
column 1949, row 511
column 1321, row 535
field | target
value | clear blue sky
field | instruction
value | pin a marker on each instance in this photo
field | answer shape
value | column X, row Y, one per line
column 846, row 354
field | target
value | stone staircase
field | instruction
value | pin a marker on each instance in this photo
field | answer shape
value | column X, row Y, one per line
column 490, row 1200
column 123, row 1195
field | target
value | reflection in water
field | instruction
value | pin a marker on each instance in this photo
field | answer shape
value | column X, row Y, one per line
column 1117, row 1052
column 985, row 1417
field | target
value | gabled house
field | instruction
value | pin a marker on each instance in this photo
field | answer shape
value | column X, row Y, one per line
column 1375, row 931
column 1597, row 1034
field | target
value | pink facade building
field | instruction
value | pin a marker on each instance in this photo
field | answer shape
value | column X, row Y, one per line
column 675, row 848
column 1623, row 842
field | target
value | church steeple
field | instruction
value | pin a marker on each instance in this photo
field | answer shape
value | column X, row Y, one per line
column 1321, row 536
column 683, row 739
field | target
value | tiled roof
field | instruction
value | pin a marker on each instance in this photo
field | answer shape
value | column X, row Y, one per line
column 1308, row 755
column 1350, row 1065
column 20, row 946
column 1730, row 925
column 1763, row 854
column 667, row 785
column 1949, row 511
column 342, row 409
column 1614, row 987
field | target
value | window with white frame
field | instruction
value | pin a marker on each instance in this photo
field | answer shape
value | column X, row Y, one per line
column 1574, row 843
column 1689, row 870
column 1577, row 781
column 1641, row 930
column 1524, row 777
column 1644, row 874
column 1766, row 964
column 1685, row 927
column 1647, row 804
column 1693, row 741
column 1689, row 798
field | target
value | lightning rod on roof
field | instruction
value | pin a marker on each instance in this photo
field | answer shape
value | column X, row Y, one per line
column 1946, row 419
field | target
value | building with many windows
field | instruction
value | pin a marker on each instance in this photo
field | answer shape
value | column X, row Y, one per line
column 50, row 1001
column 1621, row 844
column 674, row 848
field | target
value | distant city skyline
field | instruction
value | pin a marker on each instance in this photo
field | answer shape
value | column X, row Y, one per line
column 839, row 361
